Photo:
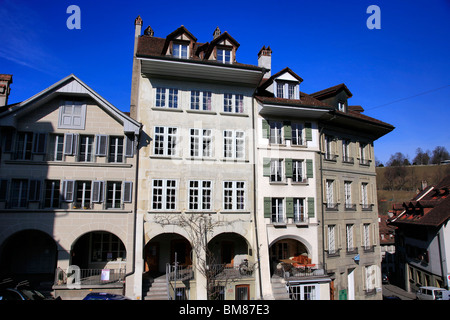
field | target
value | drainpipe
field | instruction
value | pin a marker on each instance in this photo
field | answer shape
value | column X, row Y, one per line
column 321, row 195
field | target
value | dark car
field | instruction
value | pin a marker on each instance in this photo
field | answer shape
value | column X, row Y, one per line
column 9, row 290
column 104, row 296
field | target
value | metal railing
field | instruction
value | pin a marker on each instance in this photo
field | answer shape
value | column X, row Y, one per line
column 89, row 276
column 288, row 271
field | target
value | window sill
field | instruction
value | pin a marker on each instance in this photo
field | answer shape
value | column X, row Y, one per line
column 167, row 109
column 233, row 114
column 201, row 111
column 72, row 164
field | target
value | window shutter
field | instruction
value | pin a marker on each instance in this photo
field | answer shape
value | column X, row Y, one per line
column 3, row 189
column 267, row 207
column 100, row 149
column 308, row 131
column 266, row 167
column 127, row 191
column 97, row 191
column 34, row 192
column 288, row 167
column 289, row 207
column 309, row 168
column 129, row 145
column 311, row 213
column 287, row 130
column 265, row 129
column 68, row 190
column 68, row 143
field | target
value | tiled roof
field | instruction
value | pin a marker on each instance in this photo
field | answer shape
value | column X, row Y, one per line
column 331, row 91
column 6, row 77
column 305, row 100
column 429, row 208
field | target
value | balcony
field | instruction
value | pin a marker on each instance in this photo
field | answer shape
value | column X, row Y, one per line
column 89, row 277
column 293, row 271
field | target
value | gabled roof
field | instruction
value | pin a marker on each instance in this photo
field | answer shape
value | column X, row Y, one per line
column 325, row 93
column 69, row 86
column 431, row 207
column 267, row 82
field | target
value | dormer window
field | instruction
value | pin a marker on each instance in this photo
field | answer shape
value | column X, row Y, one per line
column 224, row 55
column 341, row 106
column 180, row 50
column 286, row 90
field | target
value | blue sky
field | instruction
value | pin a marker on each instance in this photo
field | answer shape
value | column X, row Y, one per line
column 400, row 73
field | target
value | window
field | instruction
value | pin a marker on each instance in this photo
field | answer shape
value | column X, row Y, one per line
column 72, row 115
column 166, row 98
column 297, row 171
column 234, row 195
column 113, row 194
column 330, row 194
column 39, row 143
column 83, row 195
column 277, row 210
column 164, row 194
column 115, row 149
column 275, row 132
column 200, row 100
column 276, row 170
column 364, row 198
column 364, row 159
column 331, row 239
column 180, row 50
column 328, row 148
column 341, row 106
column 346, row 151
column 242, row 292
column 200, row 195
column 224, row 55
column 229, row 107
column 366, row 236
column 19, row 192
column 105, row 247
column 286, row 90
column 370, row 273
column 201, row 138
column 51, row 194
column 234, row 144
column 3, row 189
column 349, row 237
column 302, row 292
column 348, row 194
column 85, row 153
column 24, row 145
column 165, row 141
column 299, row 210
column 56, row 147
column 297, row 135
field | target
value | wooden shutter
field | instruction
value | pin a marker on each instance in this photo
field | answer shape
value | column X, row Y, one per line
column 127, row 191
column 308, row 131
column 287, row 130
column 289, row 207
column 97, row 191
column 288, row 167
column 39, row 143
column 265, row 129
column 267, row 207
column 266, row 167
column 34, row 192
column 129, row 145
column 68, row 143
column 309, row 168
column 311, row 212
column 68, row 190
column 102, row 141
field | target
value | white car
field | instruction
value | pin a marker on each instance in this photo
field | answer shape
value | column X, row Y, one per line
column 431, row 293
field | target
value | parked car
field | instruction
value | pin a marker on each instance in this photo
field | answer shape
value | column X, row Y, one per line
column 431, row 293
column 385, row 279
column 9, row 290
column 105, row 296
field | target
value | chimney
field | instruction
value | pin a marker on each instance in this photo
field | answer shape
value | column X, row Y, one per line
column 216, row 33
column 5, row 81
column 265, row 60
column 136, row 69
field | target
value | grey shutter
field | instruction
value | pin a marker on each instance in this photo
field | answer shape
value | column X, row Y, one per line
column 309, row 168
column 267, row 207
column 39, row 143
column 127, row 191
column 129, row 145
column 266, row 167
column 34, row 191
column 68, row 143
column 68, row 190
column 311, row 207
column 102, row 141
column 265, row 129
column 97, row 191
column 308, row 131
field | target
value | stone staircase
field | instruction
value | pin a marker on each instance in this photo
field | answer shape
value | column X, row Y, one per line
column 279, row 288
column 154, row 288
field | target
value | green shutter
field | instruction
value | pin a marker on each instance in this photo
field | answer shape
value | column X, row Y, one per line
column 267, row 207
column 309, row 168
column 308, row 131
column 265, row 129
column 311, row 207
column 289, row 207
column 287, row 130
column 288, row 167
column 266, row 167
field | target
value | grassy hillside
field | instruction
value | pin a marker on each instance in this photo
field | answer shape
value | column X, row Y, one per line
column 398, row 184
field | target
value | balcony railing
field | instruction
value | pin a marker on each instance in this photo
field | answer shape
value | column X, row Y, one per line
column 226, row 271
column 289, row 271
column 89, row 277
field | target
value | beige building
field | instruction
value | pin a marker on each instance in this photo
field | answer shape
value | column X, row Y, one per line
column 196, row 189
column 68, row 187
column 347, row 187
